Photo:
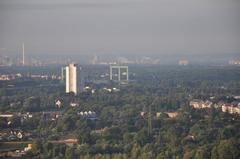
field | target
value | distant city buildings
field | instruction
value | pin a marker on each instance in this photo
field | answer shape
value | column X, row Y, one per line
column 124, row 60
column 94, row 60
column 72, row 79
column 183, row 62
column 5, row 61
column 234, row 62
column 23, row 54
column 147, row 60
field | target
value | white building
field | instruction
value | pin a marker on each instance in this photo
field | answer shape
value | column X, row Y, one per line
column 199, row 104
column 72, row 79
column 231, row 109
column 183, row 62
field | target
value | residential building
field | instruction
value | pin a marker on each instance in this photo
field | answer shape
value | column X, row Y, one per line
column 199, row 104
column 72, row 79
column 231, row 108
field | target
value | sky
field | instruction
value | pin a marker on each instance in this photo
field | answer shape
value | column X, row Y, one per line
column 120, row 27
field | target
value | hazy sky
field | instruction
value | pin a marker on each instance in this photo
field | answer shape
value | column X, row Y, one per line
column 125, row 27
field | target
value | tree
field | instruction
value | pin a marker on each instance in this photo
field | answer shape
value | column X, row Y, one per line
column 135, row 152
column 228, row 149
column 84, row 136
column 32, row 104
column 189, row 155
column 70, row 153
column 202, row 153
column 37, row 147
column 15, row 122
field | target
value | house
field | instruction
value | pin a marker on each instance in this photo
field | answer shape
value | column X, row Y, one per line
column 88, row 115
column 73, row 104
column 20, row 135
column 142, row 114
column 236, row 97
column 200, row 104
column 172, row 114
column 58, row 103
column 29, row 147
column 158, row 114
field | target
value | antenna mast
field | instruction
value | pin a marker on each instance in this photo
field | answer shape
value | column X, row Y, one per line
column 23, row 54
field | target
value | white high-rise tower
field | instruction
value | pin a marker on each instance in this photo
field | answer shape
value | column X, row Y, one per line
column 72, row 79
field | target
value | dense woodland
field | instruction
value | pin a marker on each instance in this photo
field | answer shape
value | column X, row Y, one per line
column 120, row 132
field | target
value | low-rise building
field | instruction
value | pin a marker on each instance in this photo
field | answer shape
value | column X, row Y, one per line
column 58, row 104
column 88, row 115
column 73, row 104
column 200, row 104
column 7, row 115
column 172, row 114
column 183, row 62
column 29, row 147
column 229, row 108
column 169, row 114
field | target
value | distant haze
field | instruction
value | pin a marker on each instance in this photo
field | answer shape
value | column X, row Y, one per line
column 156, row 28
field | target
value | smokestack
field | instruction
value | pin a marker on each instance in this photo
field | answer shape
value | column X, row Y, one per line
column 23, row 55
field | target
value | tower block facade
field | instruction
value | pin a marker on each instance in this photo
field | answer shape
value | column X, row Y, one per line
column 72, row 78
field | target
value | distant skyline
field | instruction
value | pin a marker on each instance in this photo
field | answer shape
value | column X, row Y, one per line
column 128, row 28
